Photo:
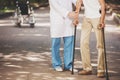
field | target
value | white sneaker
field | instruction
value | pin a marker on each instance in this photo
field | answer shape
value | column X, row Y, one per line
column 75, row 70
column 59, row 69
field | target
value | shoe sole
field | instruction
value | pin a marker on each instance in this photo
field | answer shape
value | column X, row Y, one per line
column 100, row 76
column 90, row 73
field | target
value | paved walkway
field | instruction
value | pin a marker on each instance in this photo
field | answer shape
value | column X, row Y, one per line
column 25, row 52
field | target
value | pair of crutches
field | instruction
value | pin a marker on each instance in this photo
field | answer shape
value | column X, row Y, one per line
column 105, row 56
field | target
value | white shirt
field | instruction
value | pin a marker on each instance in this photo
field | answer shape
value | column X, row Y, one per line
column 92, row 8
column 60, row 24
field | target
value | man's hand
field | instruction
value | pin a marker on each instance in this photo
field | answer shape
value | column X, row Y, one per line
column 101, row 25
column 73, row 15
column 75, row 21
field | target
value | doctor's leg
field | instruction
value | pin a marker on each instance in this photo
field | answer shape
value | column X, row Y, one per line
column 68, row 52
column 56, row 60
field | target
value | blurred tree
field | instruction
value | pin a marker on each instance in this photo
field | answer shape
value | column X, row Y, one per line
column 11, row 3
column 113, row 1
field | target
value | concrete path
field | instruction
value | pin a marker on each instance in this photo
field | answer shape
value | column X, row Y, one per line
column 25, row 53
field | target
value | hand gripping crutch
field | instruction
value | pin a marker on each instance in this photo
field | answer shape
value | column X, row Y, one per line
column 73, row 50
column 105, row 56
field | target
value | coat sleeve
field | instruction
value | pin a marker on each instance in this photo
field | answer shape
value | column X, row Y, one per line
column 58, row 8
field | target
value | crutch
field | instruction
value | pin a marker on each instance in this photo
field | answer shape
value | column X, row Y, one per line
column 105, row 56
column 74, row 49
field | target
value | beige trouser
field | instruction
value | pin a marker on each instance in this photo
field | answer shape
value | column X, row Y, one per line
column 87, row 26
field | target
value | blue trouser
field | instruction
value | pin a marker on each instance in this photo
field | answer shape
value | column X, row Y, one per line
column 68, row 52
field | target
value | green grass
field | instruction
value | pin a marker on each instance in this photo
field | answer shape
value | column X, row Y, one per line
column 5, row 10
column 118, row 15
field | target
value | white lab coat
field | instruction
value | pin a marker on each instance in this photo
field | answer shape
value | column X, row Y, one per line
column 61, row 24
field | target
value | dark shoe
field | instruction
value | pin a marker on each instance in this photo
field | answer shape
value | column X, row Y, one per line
column 100, row 74
column 84, row 72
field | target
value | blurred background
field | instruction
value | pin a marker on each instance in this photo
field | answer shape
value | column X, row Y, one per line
column 25, row 53
column 7, row 6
